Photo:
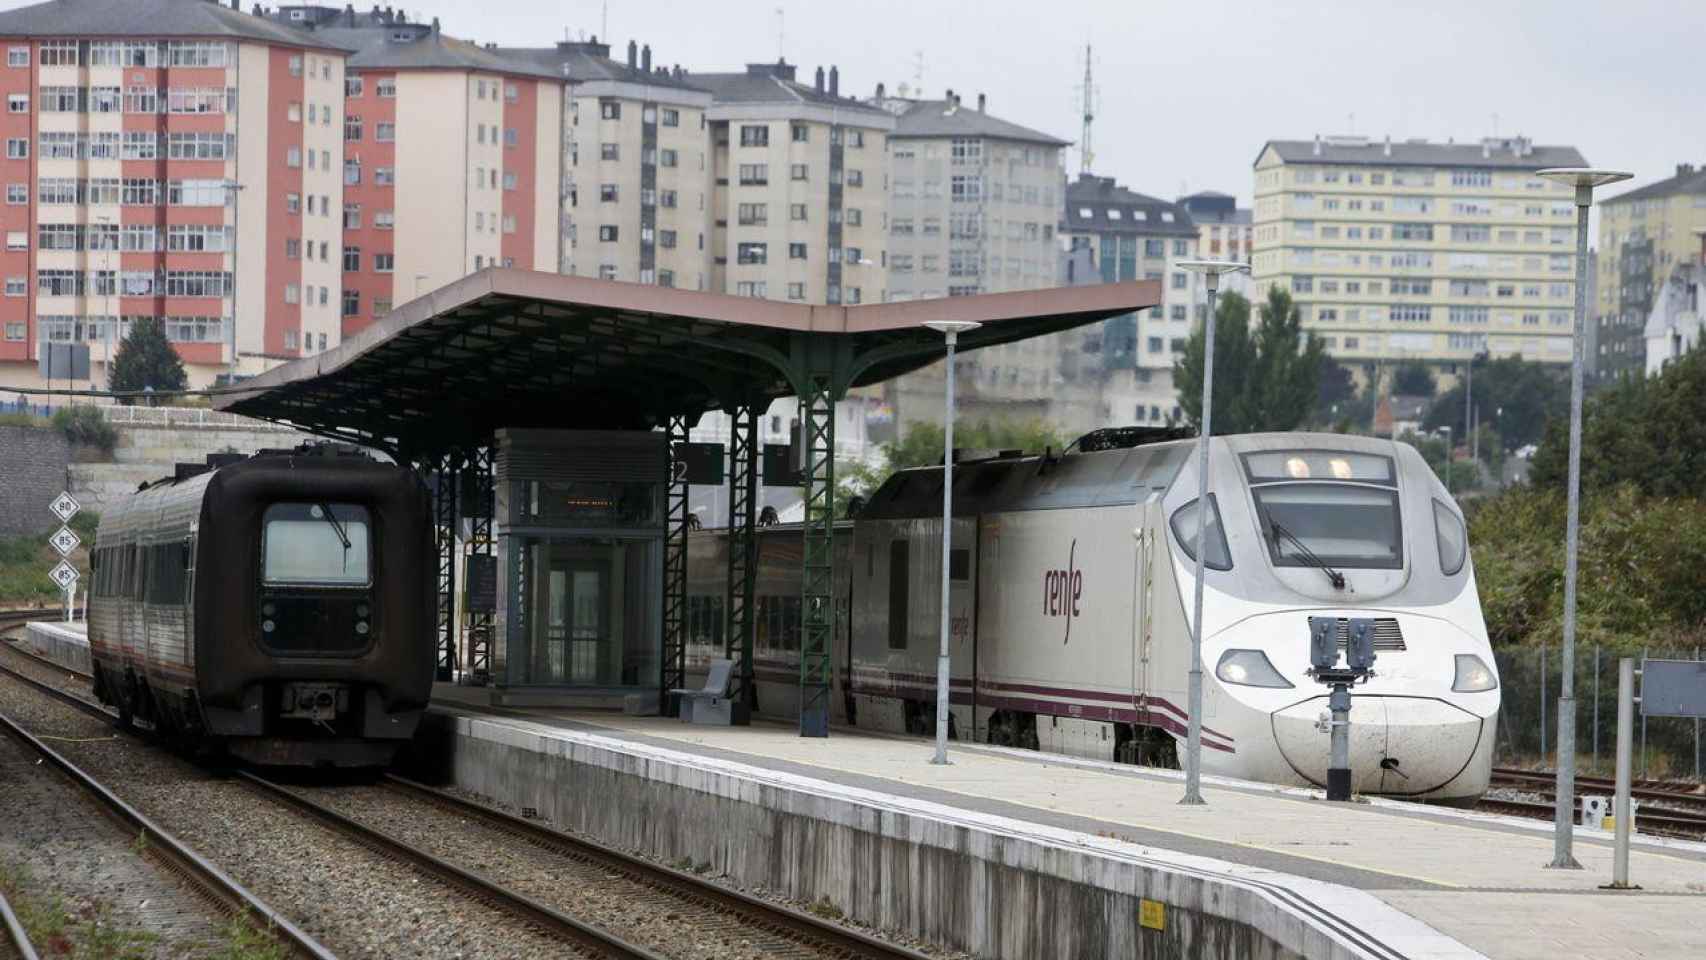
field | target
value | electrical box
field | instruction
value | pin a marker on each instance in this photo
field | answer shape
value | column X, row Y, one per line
column 1359, row 648
column 1323, row 642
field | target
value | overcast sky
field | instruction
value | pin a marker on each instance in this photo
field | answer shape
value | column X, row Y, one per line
column 1189, row 91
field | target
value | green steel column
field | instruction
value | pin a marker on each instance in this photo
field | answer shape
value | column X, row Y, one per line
column 817, row 607
column 673, row 662
column 740, row 624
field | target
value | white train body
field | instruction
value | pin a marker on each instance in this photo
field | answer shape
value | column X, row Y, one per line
column 1071, row 593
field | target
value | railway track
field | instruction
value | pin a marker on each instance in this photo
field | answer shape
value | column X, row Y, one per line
column 21, row 947
column 219, row 889
column 766, row 928
column 1667, row 808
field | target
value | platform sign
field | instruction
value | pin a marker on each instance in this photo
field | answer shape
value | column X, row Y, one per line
column 1673, row 688
column 1151, row 914
column 65, row 506
column 65, row 540
column 63, row 574
column 480, row 573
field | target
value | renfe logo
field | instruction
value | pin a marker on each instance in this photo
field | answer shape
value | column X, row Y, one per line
column 1061, row 591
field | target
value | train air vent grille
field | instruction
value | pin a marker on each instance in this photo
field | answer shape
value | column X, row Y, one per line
column 1387, row 636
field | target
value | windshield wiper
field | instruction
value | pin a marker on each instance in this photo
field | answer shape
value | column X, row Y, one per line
column 337, row 528
column 1303, row 552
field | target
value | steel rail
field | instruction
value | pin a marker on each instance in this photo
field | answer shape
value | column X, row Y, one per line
column 203, row 876
column 15, row 932
column 548, row 919
column 771, row 917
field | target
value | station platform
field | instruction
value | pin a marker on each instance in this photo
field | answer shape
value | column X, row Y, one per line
column 64, row 643
column 1379, row 878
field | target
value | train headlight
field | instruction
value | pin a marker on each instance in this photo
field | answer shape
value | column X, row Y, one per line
column 1473, row 675
column 1249, row 668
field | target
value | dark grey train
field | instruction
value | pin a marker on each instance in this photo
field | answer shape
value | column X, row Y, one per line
column 280, row 607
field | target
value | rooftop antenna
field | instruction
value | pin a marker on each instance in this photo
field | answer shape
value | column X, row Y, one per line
column 918, row 73
column 604, row 20
column 1087, row 93
column 780, row 35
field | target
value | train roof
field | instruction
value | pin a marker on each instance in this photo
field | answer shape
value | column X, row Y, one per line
column 1108, row 476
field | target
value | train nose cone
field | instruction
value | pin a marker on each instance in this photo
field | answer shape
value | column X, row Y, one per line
column 1399, row 745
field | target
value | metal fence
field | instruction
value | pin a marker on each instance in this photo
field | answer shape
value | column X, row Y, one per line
column 1531, row 677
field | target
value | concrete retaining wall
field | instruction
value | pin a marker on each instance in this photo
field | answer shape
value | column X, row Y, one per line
column 990, row 886
column 64, row 644
column 35, row 459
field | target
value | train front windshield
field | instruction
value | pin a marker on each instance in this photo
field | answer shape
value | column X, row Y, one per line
column 315, row 543
column 1332, row 507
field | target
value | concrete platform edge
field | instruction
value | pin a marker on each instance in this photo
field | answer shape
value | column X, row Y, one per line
column 990, row 885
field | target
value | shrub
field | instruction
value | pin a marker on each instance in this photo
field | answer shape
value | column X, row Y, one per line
column 86, row 425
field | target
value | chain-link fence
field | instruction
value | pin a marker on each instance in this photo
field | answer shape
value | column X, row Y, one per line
column 1531, row 677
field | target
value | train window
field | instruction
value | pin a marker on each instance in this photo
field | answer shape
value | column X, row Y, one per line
column 1453, row 542
column 1216, row 556
column 315, row 543
column 959, row 564
column 1284, row 465
column 168, row 575
column 1341, row 524
column 899, row 580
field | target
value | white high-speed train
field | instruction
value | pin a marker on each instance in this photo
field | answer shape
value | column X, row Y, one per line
column 1071, row 583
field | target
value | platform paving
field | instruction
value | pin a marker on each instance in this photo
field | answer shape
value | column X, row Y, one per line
column 1478, row 879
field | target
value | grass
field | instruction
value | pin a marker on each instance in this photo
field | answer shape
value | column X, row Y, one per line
column 246, row 941
column 25, row 561
column 87, row 933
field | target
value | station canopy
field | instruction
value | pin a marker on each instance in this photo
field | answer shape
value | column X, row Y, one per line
column 513, row 348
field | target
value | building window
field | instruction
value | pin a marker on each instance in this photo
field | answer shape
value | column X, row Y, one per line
column 296, row 65
column 384, row 176
column 668, row 198
column 607, row 271
column 855, row 218
column 292, row 248
column 752, row 253
column 352, row 306
column 668, row 158
column 509, row 180
column 384, row 87
column 384, row 220
column 610, row 109
column 17, row 148
column 384, row 132
column 666, row 239
column 1180, row 281
column 293, row 203
column 609, row 151
column 754, row 135
column 384, row 262
column 607, row 234
column 754, row 174
column 17, row 57
column 20, row 193
column 796, row 251
column 293, row 157
column 352, row 85
column 292, row 293
column 17, row 286
column 753, row 214
column 800, row 133
column 607, row 193
column 796, row 291
column 509, row 223
column 751, row 288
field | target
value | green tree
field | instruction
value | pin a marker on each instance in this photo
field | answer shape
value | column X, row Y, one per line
column 1648, row 432
column 920, row 445
column 1336, row 395
column 1515, row 397
column 1413, row 378
column 1266, row 378
column 145, row 359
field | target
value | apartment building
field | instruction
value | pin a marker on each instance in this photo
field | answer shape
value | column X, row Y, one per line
column 1225, row 231
column 169, row 159
column 452, row 159
column 1644, row 236
column 637, row 168
column 800, row 192
column 1133, row 236
column 974, row 202
column 1420, row 251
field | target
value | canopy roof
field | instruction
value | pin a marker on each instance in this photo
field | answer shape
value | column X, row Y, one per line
column 514, row 348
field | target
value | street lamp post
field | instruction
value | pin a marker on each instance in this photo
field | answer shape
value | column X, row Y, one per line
column 232, row 189
column 1448, row 451
column 1563, row 813
column 1211, row 271
column 950, row 330
column 109, row 320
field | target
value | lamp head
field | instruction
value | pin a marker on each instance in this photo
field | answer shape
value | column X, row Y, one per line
column 1584, row 179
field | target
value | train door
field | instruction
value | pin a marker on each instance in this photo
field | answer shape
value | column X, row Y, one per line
column 1142, row 612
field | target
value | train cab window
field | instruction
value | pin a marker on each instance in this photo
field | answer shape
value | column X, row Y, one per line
column 899, row 580
column 959, row 564
column 1216, row 556
column 1330, row 507
column 1453, row 542
column 315, row 543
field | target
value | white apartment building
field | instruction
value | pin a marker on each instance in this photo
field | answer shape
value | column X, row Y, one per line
column 1421, row 251
column 637, row 166
column 800, row 197
column 974, row 202
column 1132, row 236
